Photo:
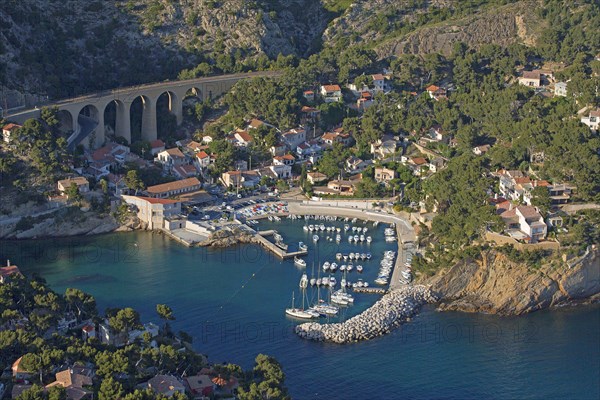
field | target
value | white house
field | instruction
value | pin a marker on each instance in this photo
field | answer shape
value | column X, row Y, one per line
column 242, row 138
column 592, row 120
column 8, row 131
column 526, row 219
column 379, row 83
column 81, row 183
column 281, row 171
column 294, row 137
column 384, row 175
column 171, row 157
column 286, row 159
column 531, row 79
column 153, row 211
column 331, row 93
column 560, row 89
column 202, row 159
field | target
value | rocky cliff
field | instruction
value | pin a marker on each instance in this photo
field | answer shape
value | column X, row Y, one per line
column 406, row 27
column 64, row 48
column 496, row 285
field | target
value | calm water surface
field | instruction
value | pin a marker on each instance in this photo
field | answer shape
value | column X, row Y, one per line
column 232, row 301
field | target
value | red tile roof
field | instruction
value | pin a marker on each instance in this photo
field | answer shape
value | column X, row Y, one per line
column 419, row 160
column 201, row 155
column 152, row 200
column 10, row 127
column 531, row 74
column 155, row 144
column 432, row 88
column 378, row 77
column 332, row 88
column 170, row 186
column 175, row 152
column 244, row 135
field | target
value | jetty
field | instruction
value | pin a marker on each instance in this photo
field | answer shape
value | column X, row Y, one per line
column 279, row 252
column 394, row 308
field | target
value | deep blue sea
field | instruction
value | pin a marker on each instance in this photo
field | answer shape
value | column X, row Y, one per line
column 232, row 301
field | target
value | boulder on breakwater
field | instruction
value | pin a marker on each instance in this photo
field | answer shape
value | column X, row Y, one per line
column 394, row 308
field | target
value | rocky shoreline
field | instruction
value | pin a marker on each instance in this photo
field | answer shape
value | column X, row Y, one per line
column 393, row 309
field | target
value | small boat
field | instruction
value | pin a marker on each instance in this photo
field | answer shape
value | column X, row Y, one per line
column 350, row 239
column 363, row 256
column 311, row 228
column 355, row 285
column 351, row 256
column 322, row 227
column 326, row 266
column 319, row 282
column 362, row 238
column 338, row 229
column 366, row 284
column 338, row 238
column 333, row 267
column 299, row 262
column 381, row 281
column 342, row 268
column 346, row 227
column 356, row 238
column 315, row 238
column 368, row 256
column 302, row 246
column 369, row 239
column 281, row 245
column 332, row 280
column 313, row 281
column 270, row 218
column 375, row 223
column 365, row 229
column 345, row 256
column 338, row 256
column 359, row 268
column 305, row 228
column 349, row 267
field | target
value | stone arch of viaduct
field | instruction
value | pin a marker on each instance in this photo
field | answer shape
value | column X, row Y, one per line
column 87, row 112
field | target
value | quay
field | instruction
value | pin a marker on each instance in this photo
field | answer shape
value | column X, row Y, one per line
column 279, row 252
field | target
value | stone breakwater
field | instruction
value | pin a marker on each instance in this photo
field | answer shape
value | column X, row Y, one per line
column 394, row 308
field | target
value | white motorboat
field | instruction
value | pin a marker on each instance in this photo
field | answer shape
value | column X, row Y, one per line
column 366, row 284
column 338, row 229
column 362, row 238
column 345, row 256
column 346, row 227
column 338, row 256
column 326, row 266
column 359, row 268
column 351, row 256
column 342, row 268
column 349, row 267
column 305, row 228
column 302, row 246
column 333, row 267
column 319, row 282
column 311, row 228
column 299, row 262
column 313, row 281
column 332, row 281
column 350, row 239
column 322, row 227
column 315, row 238
column 355, row 238
column 369, row 256
column 338, row 238
column 369, row 239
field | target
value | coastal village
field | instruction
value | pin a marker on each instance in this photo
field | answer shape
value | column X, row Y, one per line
column 427, row 166
column 202, row 199
column 194, row 180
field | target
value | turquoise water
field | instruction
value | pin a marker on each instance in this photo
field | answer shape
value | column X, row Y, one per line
column 232, row 301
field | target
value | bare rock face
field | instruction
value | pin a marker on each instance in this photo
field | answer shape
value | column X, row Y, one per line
column 227, row 237
column 503, row 26
column 499, row 286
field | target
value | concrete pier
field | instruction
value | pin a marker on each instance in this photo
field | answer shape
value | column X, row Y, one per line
column 279, row 252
